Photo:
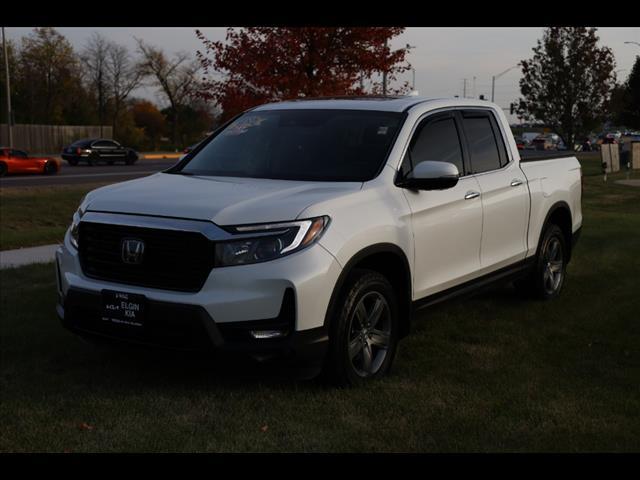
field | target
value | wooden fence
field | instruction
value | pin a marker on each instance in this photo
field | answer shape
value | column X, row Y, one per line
column 50, row 139
column 635, row 155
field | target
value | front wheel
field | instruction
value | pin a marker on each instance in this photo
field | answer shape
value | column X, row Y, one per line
column 131, row 158
column 364, row 330
column 3, row 169
column 547, row 277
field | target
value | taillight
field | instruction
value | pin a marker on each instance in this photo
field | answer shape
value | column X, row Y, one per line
column 78, row 150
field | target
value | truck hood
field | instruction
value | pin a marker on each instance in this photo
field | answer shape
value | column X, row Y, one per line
column 222, row 200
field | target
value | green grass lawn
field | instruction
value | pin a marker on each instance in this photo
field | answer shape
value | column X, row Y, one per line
column 489, row 373
column 31, row 216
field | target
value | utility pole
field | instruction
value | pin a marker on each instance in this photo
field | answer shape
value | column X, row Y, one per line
column 493, row 81
column 6, row 76
column 464, row 88
column 493, row 88
column 384, row 72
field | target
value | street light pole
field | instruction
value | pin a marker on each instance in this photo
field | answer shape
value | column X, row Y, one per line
column 6, row 76
column 493, row 88
column 413, row 70
column 384, row 72
column 493, row 81
column 633, row 43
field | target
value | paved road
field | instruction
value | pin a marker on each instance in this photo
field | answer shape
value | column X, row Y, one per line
column 83, row 173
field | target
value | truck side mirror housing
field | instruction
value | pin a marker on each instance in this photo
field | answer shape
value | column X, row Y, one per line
column 430, row 175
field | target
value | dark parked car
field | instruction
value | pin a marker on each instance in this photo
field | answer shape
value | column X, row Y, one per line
column 94, row 150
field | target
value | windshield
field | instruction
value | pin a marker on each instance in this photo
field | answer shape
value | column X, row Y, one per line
column 312, row 145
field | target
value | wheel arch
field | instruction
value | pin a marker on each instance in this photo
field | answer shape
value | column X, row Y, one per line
column 559, row 214
column 56, row 167
column 389, row 260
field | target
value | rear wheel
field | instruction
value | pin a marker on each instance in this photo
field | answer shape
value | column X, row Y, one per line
column 3, row 169
column 364, row 330
column 547, row 276
column 50, row 168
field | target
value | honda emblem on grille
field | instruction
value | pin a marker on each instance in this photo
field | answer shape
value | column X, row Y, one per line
column 132, row 251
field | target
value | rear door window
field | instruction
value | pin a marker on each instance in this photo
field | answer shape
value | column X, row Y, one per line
column 483, row 147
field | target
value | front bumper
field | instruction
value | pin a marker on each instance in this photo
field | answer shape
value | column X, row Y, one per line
column 219, row 315
column 189, row 328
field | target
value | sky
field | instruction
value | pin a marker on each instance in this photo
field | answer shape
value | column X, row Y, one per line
column 442, row 58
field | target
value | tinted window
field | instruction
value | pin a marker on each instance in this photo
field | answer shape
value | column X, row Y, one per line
column 104, row 143
column 502, row 149
column 314, row 145
column 482, row 144
column 436, row 141
column 18, row 153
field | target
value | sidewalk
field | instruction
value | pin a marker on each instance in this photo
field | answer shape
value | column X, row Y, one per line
column 27, row 256
column 160, row 155
column 632, row 182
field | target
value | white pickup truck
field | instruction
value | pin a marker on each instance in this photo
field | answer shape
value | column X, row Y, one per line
column 312, row 230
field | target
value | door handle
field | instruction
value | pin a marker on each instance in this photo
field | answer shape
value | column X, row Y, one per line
column 516, row 182
column 471, row 194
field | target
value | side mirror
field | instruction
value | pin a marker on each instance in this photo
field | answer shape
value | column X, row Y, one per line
column 430, row 175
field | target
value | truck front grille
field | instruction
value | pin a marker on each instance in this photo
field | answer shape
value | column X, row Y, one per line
column 172, row 259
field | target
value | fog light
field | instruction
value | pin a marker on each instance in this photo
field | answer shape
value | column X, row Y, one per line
column 266, row 334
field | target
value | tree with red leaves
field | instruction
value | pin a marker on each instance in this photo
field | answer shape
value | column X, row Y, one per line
column 263, row 64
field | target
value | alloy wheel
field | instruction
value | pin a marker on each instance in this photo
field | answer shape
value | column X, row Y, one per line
column 553, row 266
column 369, row 334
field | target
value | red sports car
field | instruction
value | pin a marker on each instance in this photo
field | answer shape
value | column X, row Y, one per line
column 18, row 161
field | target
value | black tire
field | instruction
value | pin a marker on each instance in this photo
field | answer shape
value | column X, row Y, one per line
column 131, row 158
column 547, row 276
column 356, row 353
column 93, row 159
column 73, row 162
column 50, row 168
column 3, row 169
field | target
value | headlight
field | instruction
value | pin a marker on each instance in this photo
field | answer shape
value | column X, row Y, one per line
column 261, row 243
column 74, row 233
